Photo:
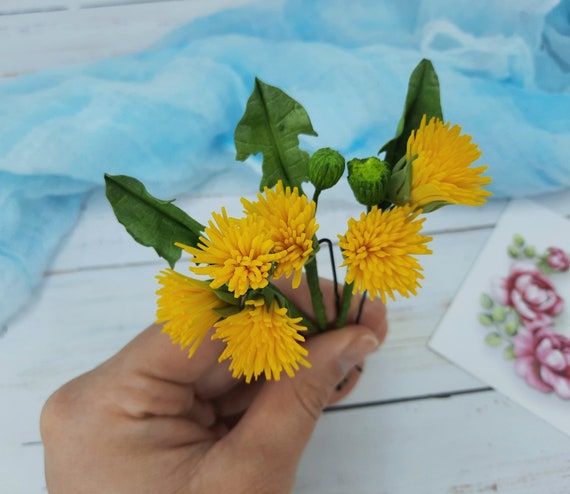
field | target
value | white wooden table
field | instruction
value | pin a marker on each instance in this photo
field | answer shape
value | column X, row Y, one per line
column 415, row 424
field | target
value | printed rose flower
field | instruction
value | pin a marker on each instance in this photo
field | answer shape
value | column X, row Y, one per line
column 558, row 259
column 529, row 292
column 543, row 360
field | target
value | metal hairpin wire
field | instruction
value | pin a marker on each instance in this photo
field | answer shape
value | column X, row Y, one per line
column 335, row 280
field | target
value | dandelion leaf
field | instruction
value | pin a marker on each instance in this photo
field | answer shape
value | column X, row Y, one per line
column 422, row 99
column 271, row 125
column 150, row 221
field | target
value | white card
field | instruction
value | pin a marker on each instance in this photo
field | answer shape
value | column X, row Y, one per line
column 509, row 324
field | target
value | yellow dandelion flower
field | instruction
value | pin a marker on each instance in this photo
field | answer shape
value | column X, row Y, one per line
column 291, row 224
column 378, row 250
column 186, row 307
column 262, row 340
column 442, row 172
column 236, row 252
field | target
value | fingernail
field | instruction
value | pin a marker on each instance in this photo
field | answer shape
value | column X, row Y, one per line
column 356, row 351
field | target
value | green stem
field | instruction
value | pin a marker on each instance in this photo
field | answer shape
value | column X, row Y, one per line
column 316, row 293
column 316, row 195
column 345, row 305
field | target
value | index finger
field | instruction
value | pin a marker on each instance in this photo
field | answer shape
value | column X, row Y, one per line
column 152, row 352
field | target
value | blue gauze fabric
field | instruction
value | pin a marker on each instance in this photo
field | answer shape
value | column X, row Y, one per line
column 167, row 115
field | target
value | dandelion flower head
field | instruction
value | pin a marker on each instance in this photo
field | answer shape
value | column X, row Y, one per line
column 186, row 307
column 441, row 171
column 236, row 252
column 262, row 340
column 291, row 224
column 378, row 251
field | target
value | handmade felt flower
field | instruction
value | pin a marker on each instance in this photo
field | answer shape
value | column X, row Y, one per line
column 289, row 220
column 187, row 308
column 236, row 252
column 441, row 170
column 262, row 340
column 378, row 251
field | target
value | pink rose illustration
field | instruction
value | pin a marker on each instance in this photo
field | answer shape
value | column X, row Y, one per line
column 543, row 359
column 529, row 292
column 557, row 259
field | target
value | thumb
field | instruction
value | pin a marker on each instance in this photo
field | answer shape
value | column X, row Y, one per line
column 279, row 423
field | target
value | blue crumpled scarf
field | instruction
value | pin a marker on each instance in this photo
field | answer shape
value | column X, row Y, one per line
column 167, row 115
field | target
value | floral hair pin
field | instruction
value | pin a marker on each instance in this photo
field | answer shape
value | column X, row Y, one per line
column 229, row 292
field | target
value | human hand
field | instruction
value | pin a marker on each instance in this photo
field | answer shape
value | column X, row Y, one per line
column 150, row 420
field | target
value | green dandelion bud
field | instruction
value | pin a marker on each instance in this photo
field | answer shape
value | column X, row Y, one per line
column 326, row 166
column 368, row 178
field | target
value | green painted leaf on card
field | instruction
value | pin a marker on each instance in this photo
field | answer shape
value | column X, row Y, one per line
column 511, row 328
column 499, row 313
column 150, row 221
column 493, row 339
column 271, row 126
column 486, row 301
column 485, row 319
column 422, row 99
column 509, row 353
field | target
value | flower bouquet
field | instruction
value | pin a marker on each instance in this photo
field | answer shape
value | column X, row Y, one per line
column 230, row 293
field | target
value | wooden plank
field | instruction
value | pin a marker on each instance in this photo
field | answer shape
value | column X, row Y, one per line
column 462, row 445
column 22, row 7
column 38, row 41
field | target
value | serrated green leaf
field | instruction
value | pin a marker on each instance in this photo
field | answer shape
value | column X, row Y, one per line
column 271, row 125
column 150, row 221
column 422, row 99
